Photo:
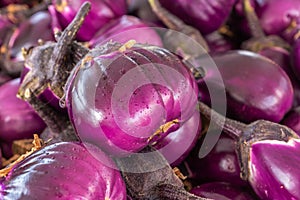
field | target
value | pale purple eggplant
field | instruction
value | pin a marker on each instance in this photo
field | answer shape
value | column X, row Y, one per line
column 102, row 11
column 207, row 16
column 64, row 170
column 125, row 99
column 222, row 191
column 124, row 29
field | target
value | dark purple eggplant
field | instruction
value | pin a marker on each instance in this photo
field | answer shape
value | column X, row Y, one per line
column 18, row 120
column 207, row 16
column 222, row 191
column 292, row 119
column 248, row 86
column 221, row 164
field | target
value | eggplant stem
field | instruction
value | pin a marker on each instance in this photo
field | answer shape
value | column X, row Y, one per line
column 174, row 23
column 231, row 127
column 253, row 21
column 61, row 48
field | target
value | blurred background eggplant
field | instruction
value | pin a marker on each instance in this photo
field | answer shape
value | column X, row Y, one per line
column 101, row 13
column 220, row 165
column 124, row 29
column 207, row 16
column 18, row 120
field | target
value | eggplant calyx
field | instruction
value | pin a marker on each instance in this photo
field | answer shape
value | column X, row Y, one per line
column 49, row 62
column 163, row 129
column 127, row 45
column 259, row 131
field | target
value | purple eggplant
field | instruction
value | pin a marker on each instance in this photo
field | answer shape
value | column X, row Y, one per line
column 4, row 78
column 17, row 119
column 219, row 43
column 64, row 170
column 30, row 32
column 222, row 191
column 128, row 96
column 37, row 27
column 221, row 164
column 248, row 86
column 124, row 29
column 282, row 57
column 27, row 2
column 176, row 146
column 101, row 13
column 268, row 154
column 207, row 16
column 284, row 21
column 295, row 56
column 292, row 120
column 273, row 171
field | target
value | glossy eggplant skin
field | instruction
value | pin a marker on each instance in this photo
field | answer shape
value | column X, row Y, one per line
column 124, row 29
column 176, row 146
column 295, row 55
column 132, row 93
column 220, row 165
column 205, row 15
column 64, row 170
column 30, row 31
column 281, row 23
column 253, row 83
column 273, row 169
column 292, row 120
column 102, row 11
column 18, row 120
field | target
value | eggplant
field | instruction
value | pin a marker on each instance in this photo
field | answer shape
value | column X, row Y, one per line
column 128, row 96
column 124, row 29
column 64, row 170
column 101, row 13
